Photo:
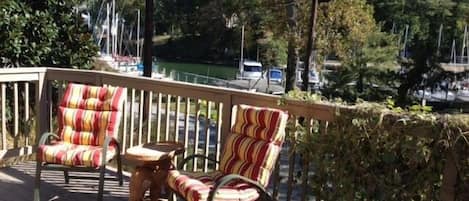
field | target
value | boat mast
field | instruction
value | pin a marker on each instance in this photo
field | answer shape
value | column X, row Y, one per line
column 467, row 49
column 138, row 33
column 130, row 38
column 116, row 33
column 241, row 59
column 439, row 38
column 113, row 28
column 453, row 52
column 463, row 44
column 405, row 39
column 108, row 34
column 121, row 37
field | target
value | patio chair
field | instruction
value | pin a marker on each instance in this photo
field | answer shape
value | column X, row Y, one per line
column 250, row 153
column 88, row 119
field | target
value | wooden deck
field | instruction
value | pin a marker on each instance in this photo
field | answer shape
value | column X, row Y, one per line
column 17, row 184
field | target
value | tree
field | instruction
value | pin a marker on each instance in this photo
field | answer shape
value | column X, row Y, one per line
column 348, row 30
column 274, row 52
column 44, row 33
column 293, row 44
column 424, row 19
column 311, row 43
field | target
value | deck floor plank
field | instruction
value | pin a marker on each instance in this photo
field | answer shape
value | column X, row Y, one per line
column 17, row 184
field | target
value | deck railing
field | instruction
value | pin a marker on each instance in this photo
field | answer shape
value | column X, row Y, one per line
column 21, row 96
column 197, row 115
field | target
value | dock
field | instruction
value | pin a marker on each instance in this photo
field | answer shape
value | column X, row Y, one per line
column 260, row 85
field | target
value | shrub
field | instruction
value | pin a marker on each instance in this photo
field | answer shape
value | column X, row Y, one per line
column 378, row 152
column 44, row 33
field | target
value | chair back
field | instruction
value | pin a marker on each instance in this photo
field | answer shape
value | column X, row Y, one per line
column 255, row 141
column 89, row 113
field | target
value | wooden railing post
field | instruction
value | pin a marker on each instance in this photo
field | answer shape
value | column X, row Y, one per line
column 226, row 117
column 42, row 110
column 450, row 174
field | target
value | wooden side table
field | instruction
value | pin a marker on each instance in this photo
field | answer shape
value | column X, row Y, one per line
column 152, row 162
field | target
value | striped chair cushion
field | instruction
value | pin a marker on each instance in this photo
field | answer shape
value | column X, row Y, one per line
column 254, row 145
column 260, row 123
column 74, row 155
column 89, row 113
column 250, row 158
column 195, row 186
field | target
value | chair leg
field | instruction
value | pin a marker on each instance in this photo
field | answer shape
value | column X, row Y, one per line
column 101, row 183
column 119, row 170
column 67, row 179
column 37, row 185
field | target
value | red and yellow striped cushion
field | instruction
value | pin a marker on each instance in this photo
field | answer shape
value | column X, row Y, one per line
column 254, row 145
column 74, row 155
column 89, row 113
column 195, row 186
column 260, row 123
column 250, row 158
column 250, row 150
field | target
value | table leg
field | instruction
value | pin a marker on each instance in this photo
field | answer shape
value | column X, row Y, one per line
column 140, row 181
column 155, row 189
column 159, row 179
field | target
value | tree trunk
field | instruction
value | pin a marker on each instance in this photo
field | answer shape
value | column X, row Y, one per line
column 147, row 52
column 423, row 62
column 310, row 45
column 360, row 81
column 292, row 9
column 147, row 40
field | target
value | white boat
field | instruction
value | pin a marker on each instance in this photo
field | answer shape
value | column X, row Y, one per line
column 443, row 96
column 251, row 70
column 462, row 96
column 154, row 75
column 421, row 94
column 313, row 76
column 436, row 96
column 313, row 81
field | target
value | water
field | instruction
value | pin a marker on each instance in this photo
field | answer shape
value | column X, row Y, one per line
column 217, row 71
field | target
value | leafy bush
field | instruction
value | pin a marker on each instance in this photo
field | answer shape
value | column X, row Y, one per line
column 44, row 33
column 378, row 152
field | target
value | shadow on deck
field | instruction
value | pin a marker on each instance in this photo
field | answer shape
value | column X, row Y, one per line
column 17, row 184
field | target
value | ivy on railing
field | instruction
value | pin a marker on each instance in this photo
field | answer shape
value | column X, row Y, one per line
column 377, row 151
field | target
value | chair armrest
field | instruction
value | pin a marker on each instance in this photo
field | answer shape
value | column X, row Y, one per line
column 227, row 178
column 107, row 141
column 191, row 157
column 46, row 137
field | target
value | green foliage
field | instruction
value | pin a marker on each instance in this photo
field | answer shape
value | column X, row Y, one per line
column 424, row 19
column 348, row 30
column 380, row 152
column 301, row 95
column 43, row 33
column 344, row 26
column 274, row 53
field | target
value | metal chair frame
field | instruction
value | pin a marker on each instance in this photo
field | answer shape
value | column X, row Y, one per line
column 42, row 165
column 57, row 167
column 264, row 194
